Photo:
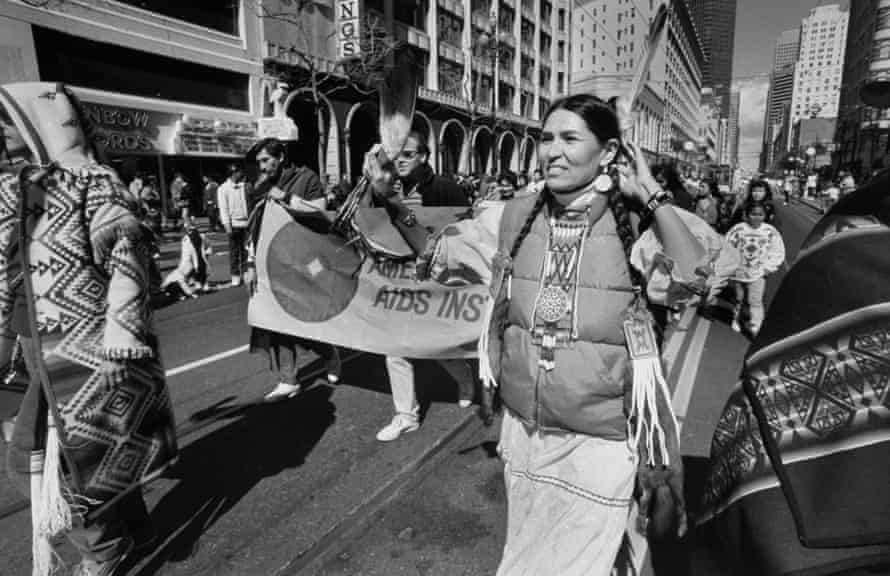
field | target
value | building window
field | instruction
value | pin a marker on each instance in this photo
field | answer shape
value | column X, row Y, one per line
column 221, row 15
column 562, row 20
column 451, row 29
column 82, row 62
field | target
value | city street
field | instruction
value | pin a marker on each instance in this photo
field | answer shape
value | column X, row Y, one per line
column 303, row 486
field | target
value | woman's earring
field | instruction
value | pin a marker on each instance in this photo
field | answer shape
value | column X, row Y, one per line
column 603, row 183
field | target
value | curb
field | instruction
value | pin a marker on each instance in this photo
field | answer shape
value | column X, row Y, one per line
column 308, row 561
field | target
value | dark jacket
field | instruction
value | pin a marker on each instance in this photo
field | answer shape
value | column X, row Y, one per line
column 435, row 190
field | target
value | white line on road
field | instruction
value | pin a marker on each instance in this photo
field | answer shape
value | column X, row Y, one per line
column 689, row 370
column 205, row 361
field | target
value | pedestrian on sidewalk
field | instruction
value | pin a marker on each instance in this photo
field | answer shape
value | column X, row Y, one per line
column 181, row 194
column 415, row 183
column 761, row 252
column 567, row 275
column 234, row 211
column 211, row 206
column 77, row 256
column 297, row 188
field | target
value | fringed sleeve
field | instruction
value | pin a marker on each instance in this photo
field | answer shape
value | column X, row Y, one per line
column 665, row 285
column 120, row 249
column 10, row 269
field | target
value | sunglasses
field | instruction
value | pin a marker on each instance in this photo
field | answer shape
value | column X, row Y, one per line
column 409, row 154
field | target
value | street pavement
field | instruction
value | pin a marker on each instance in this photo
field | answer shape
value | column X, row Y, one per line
column 302, row 487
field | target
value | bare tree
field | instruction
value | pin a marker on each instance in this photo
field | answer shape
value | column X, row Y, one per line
column 320, row 75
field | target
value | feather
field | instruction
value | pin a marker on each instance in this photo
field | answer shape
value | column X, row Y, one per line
column 398, row 95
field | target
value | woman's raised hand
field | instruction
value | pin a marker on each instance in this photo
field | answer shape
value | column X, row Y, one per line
column 635, row 178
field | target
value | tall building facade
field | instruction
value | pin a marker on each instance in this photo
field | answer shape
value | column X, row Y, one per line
column 170, row 89
column 730, row 155
column 715, row 22
column 484, row 88
column 683, row 87
column 609, row 37
column 817, row 75
column 781, row 90
column 862, row 131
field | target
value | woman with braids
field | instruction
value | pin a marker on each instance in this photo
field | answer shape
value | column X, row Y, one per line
column 584, row 417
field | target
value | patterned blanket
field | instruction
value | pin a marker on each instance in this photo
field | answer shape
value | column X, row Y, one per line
column 87, row 298
column 799, row 470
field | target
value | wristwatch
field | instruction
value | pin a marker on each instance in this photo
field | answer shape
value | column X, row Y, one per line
column 660, row 198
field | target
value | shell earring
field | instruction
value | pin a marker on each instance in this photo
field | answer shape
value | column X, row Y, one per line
column 603, row 183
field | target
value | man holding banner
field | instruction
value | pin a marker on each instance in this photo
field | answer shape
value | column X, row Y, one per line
column 298, row 189
column 416, row 185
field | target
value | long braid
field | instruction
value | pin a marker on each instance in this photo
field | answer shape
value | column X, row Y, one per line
column 625, row 232
column 529, row 221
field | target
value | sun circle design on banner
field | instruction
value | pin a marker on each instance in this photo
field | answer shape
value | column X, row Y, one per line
column 315, row 275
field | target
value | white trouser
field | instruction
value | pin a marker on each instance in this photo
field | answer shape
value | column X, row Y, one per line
column 401, row 381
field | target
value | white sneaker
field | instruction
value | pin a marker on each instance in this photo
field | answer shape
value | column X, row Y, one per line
column 283, row 391
column 464, row 403
column 236, row 280
column 399, row 425
column 334, row 367
column 736, row 327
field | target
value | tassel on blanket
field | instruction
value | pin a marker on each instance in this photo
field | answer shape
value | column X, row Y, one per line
column 50, row 511
column 644, row 419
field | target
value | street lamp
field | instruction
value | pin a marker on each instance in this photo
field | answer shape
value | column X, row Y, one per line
column 490, row 41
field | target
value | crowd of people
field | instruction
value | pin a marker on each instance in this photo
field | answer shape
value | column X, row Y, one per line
column 589, row 245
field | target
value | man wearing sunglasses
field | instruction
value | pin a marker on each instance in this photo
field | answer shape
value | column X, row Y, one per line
column 415, row 184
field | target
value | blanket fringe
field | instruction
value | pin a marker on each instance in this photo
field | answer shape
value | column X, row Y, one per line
column 486, row 374
column 50, row 511
column 643, row 422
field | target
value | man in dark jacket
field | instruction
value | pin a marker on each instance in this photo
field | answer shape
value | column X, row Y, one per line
column 300, row 189
column 416, row 184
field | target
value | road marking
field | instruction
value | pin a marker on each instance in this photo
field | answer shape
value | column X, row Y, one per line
column 689, row 370
column 205, row 361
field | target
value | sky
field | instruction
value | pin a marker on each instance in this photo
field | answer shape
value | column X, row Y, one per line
column 758, row 24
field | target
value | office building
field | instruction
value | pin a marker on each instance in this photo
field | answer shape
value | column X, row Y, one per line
column 817, row 75
column 781, row 89
column 609, row 38
column 609, row 41
column 862, row 131
column 714, row 21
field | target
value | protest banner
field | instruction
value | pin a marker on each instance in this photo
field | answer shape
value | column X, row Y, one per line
column 311, row 283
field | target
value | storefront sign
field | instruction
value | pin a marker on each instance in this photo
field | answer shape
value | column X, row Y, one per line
column 214, row 137
column 348, row 29
column 128, row 130
column 281, row 128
